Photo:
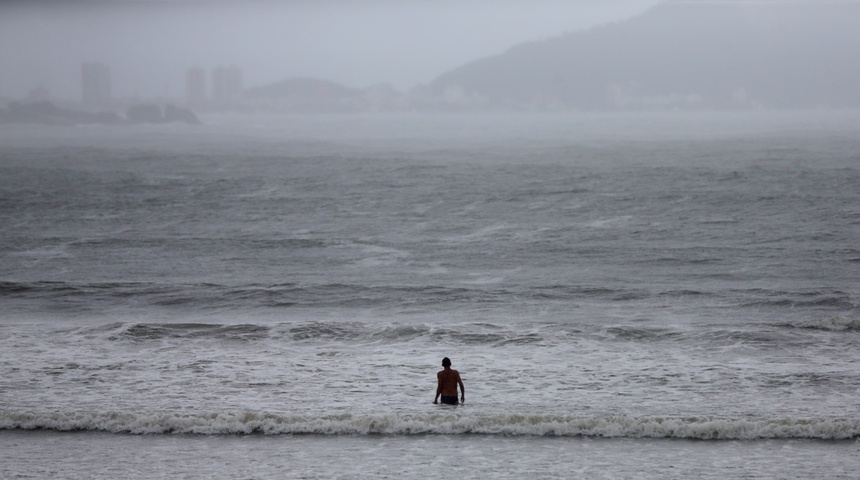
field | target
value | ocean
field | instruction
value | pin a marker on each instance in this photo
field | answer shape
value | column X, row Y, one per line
column 664, row 295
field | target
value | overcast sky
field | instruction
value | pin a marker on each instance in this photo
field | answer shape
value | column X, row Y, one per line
column 150, row 44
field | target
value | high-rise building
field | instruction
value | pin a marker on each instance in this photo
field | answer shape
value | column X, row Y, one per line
column 195, row 86
column 226, row 85
column 95, row 84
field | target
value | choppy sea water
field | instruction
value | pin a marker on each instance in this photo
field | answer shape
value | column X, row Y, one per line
column 624, row 296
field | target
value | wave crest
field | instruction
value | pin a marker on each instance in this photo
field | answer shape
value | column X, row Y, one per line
column 836, row 323
column 445, row 424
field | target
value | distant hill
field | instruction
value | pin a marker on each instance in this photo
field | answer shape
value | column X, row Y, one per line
column 681, row 55
column 305, row 95
column 302, row 88
column 316, row 95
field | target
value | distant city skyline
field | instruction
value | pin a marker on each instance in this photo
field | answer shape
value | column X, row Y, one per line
column 150, row 45
column 224, row 87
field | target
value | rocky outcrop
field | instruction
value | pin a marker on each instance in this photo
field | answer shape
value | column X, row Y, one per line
column 172, row 113
column 46, row 113
column 144, row 114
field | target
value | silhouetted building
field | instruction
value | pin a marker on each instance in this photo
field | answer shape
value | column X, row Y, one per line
column 226, row 85
column 95, row 84
column 195, row 86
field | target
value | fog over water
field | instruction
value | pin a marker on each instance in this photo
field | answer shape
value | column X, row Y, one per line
column 150, row 44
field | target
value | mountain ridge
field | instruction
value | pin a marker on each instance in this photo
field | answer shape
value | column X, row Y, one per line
column 680, row 54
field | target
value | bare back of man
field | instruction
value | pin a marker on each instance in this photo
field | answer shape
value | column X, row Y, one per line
column 448, row 381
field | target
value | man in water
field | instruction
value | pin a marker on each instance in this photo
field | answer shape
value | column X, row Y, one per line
column 448, row 381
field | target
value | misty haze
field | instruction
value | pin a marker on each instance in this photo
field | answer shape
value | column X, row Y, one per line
column 239, row 238
column 387, row 56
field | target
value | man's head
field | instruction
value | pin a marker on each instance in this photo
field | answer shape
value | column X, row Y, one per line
column 446, row 362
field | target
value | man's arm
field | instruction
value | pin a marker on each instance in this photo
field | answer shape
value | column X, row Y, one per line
column 438, row 388
column 462, row 389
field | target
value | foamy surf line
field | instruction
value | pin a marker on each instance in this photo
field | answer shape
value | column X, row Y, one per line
column 442, row 424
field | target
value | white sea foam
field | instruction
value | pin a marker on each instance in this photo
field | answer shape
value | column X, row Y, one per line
column 229, row 423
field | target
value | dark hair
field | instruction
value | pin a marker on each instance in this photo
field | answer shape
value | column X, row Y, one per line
column 446, row 362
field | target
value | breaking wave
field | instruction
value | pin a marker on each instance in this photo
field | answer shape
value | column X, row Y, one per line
column 351, row 332
column 835, row 323
column 442, row 424
column 476, row 333
column 215, row 297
